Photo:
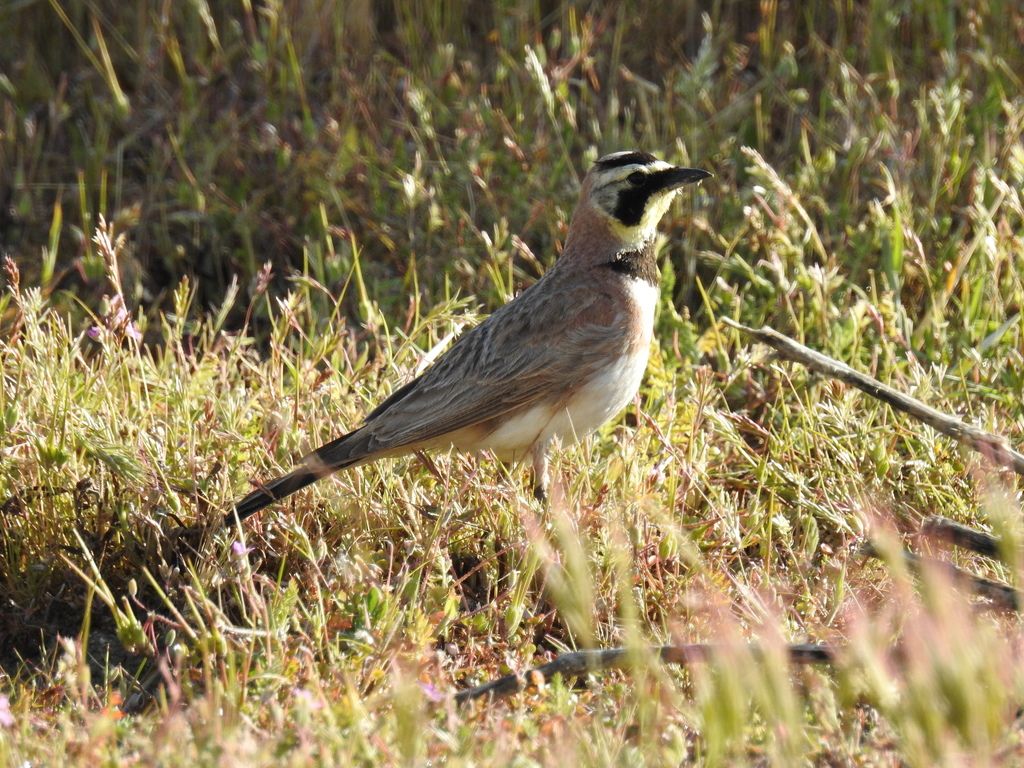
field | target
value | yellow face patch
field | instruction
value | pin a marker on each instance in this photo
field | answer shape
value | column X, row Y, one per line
column 619, row 195
column 644, row 231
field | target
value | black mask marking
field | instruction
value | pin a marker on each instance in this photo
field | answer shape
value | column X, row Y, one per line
column 634, row 198
column 629, row 208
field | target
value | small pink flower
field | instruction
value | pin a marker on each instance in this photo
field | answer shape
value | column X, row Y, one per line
column 120, row 320
column 315, row 703
column 238, row 549
column 431, row 692
column 6, row 716
column 132, row 330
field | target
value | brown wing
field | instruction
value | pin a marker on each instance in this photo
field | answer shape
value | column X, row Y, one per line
column 534, row 349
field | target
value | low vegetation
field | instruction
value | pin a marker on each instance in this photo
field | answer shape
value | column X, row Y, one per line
column 231, row 230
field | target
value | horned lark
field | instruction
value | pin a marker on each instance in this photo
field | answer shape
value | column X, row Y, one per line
column 555, row 363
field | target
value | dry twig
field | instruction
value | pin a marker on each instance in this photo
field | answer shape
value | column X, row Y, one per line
column 961, row 536
column 994, row 447
column 581, row 662
column 1001, row 596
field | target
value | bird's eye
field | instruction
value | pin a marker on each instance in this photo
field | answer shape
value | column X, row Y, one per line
column 636, row 178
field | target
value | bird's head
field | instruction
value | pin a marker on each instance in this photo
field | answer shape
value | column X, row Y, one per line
column 630, row 191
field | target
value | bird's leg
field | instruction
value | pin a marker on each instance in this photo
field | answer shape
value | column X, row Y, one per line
column 541, row 480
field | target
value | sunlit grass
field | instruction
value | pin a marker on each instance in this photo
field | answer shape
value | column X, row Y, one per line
column 404, row 175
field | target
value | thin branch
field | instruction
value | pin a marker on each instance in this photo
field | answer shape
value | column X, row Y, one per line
column 579, row 663
column 961, row 536
column 1000, row 595
column 994, row 447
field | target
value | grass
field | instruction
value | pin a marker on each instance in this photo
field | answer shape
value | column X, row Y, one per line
column 404, row 171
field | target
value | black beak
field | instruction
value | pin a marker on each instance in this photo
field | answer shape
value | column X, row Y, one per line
column 673, row 178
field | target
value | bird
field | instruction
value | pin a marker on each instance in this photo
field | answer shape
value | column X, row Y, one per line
column 555, row 363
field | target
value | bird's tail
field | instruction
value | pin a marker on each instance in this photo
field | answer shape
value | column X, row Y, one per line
column 344, row 452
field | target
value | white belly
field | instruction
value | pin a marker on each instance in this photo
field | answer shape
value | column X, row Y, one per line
column 599, row 400
column 596, row 402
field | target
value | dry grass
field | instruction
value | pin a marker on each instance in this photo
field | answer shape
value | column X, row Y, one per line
column 867, row 200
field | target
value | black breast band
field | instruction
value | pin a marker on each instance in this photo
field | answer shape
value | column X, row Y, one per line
column 636, row 264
